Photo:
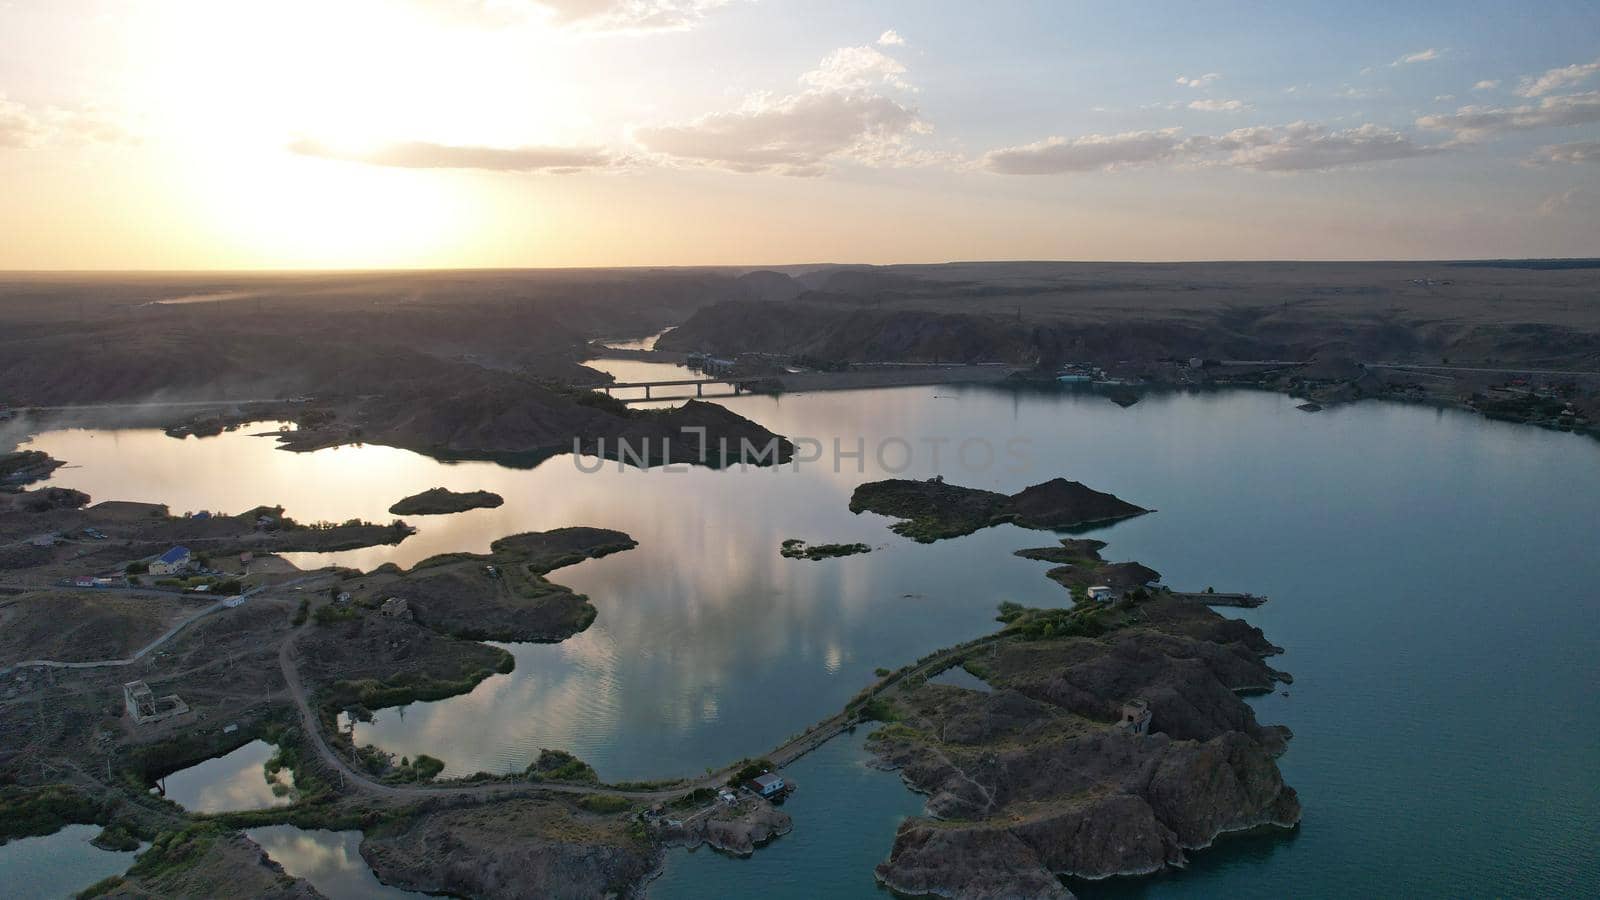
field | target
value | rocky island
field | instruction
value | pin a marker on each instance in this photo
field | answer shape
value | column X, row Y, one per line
column 934, row 509
column 499, row 596
column 794, row 548
column 1114, row 741
column 442, row 501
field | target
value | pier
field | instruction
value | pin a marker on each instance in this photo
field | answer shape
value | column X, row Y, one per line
column 1245, row 601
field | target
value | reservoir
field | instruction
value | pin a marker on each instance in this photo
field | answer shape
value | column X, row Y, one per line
column 1433, row 581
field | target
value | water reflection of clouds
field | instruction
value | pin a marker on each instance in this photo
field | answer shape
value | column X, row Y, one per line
column 228, row 783
column 330, row 860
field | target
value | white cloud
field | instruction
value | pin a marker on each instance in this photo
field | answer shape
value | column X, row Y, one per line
column 1471, row 123
column 1575, row 152
column 1555, row 79
column 1198, row 81
column 1558, row 203
column 1218, row 105
column 1443, row 98
column 593, row 15
column 1488, row 84
column 18, row 126
column 1307, row 146
column 1298, row 147
column 856, row 68
column 1427, row 55
column 840, row 116
column 423, row 155
column 1055, row 155
column 891, row 38
column 24, row 127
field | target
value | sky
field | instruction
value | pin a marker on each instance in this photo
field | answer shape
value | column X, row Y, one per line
column 296, row 134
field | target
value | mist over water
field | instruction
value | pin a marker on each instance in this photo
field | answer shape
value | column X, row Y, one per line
column 1432, row 577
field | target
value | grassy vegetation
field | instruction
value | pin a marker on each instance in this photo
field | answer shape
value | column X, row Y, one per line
column 301, row 612
column 116, row 837
column 878, row 710
column 175, row 850
column 559, row 765
column 407, row 687
column 334, row 613
column 423, row 768
column 26, row 812
column 605, row 804
column 1038, row 624
column 749, row 769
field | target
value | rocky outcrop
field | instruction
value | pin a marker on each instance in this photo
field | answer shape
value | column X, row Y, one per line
column 1038, row 779
column 514, row 849
column 442, row 501
column 736, row 830
column 502, row 595
column 934, row 509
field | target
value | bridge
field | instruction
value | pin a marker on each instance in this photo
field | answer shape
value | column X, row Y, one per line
column 699, row 386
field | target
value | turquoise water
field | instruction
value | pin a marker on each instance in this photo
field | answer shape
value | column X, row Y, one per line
column 1432, row 573
column 57, row 865
column 844, row 813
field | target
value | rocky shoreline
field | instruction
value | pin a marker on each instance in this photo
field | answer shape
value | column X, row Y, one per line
column 1057, row 773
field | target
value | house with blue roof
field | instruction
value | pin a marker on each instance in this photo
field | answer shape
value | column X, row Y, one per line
column 171, row 562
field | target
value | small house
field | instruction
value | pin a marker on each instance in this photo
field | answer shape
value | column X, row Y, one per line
column 144, row 706
column 83, row 581
column 767, row 785
column 171, row 562
column 395, row 608
column 1101, row 593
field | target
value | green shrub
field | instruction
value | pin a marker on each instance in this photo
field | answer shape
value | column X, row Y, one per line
column 605, row 804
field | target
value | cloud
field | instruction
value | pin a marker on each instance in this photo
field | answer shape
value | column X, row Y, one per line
column 841, row 115
column 1198, row 81
column 1056, row 155
column 423, row 155
column 1298, row 147
column 1555, row 79
column 1471, row 123
column 23, row 127
column 592, row 15
column 1218, row 105
column 1558, row 203
column 795, row 135
column 1575, row 152
column 1428, row 55
column 18, row 126
column 856, row 68
column 1488, row 84
column 1307, row 146
column 891, row 38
